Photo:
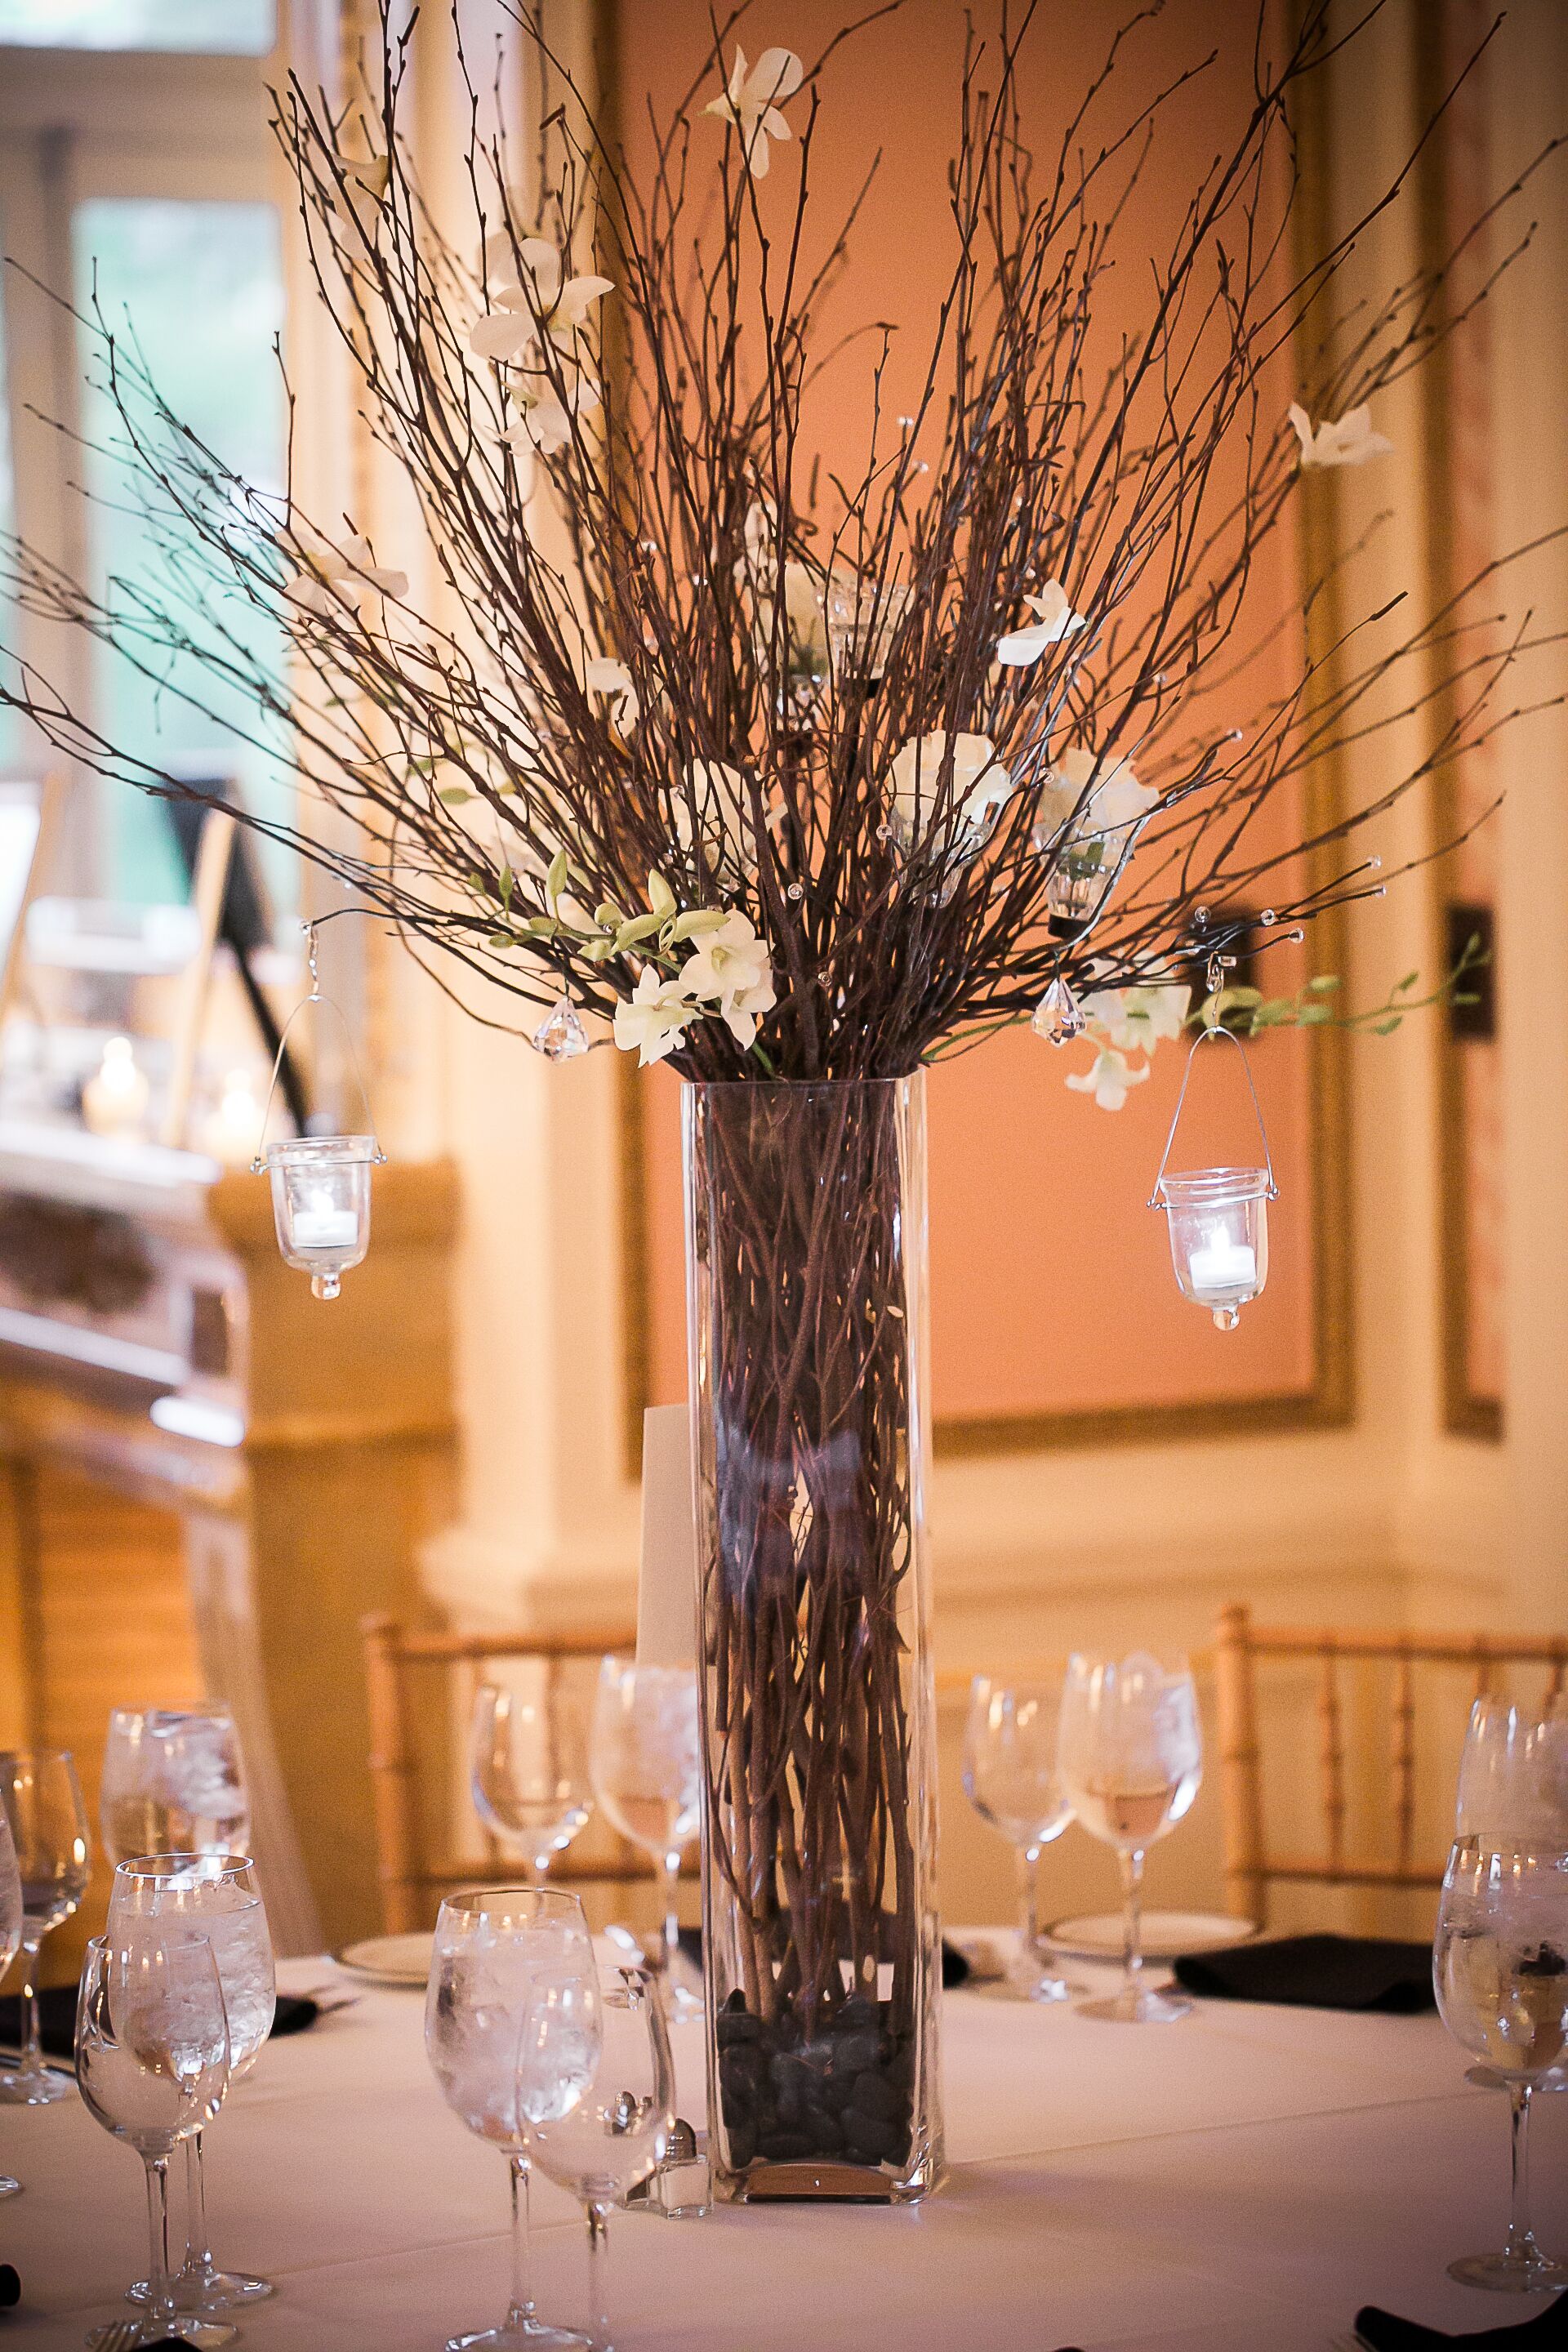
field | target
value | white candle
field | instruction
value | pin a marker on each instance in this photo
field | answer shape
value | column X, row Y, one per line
column 323, row 1227
column 1222, row 1267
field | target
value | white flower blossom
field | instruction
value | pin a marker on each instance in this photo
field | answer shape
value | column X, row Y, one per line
column 981, row 784
column 538, row 299
column 1135, row 1020
column 1116, row 802
column 1349, row 442
column 656, row 1019
column 545, row 424
column 731, row 969
column 751, row 101
column 330, row 578
column 1055, row 620
column 603, row 676
column 1109, row 1081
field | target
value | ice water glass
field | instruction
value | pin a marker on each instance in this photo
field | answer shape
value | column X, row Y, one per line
column 10, row 1938
column 42, row 1801
column 597, row 2088
column 647, row 1760
column 1513, row 1775
column 1010, row 1778
column 1499, row 1965
column 491, row 1945
column 528, row 1765
column 173, row 1783
column 1131, row 1762
column 215, row 1896
column 153, row 2065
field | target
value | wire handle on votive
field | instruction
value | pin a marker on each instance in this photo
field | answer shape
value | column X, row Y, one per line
column 258, row 1165
column 1218, row 1030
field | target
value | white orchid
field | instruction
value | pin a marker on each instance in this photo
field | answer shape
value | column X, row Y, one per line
column 752, row 102
column 363, row 192
column 730, row 970
column 1054, row 619
column 330, row 578
column 1350, row 441
column 656, row 1019
column 1109, row 1081
column 1135, row 1020
column 546, row 421
column 603, row 676
column 538, row 298
column 723, row 829
column 980, row 782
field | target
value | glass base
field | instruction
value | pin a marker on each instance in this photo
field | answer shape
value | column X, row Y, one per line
column 683, row 2007
column 1029, row 1979
column 1526, row 2271
column 209, row 2292
column 9, row 2187
column 36, row 2087
column 206, row 2334
column 1139, row 2007
column 522, row 2335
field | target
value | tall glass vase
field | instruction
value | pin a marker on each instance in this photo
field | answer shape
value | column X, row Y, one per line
column 806, row 1273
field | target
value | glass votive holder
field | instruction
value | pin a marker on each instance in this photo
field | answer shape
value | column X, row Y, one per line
column 1219, row 1236
column 321, row 1204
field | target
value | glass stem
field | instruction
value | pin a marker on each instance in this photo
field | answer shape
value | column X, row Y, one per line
column 32, row 2055
column 1520, row 2240
column 599, row 2275
column 1132, row 1922
column 668, row 1879
column 522, row 2310
column 198, row 2245
column 160, row 2287
column 1028, row 1899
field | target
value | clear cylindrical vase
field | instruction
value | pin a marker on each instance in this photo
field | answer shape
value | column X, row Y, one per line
column 807, row 1328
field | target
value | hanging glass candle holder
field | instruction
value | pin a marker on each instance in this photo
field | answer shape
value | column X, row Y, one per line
column 1089, row 837
column 320, row 1183
column 1218, row 1217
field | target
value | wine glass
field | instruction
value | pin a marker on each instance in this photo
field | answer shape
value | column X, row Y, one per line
column 1513, row 1775
column 528, row 1767
column 491, row 1944
column 1131, row 1760
column 215, row 1895
column 596, row 2084
column 10, row 1938
column 1011, row 1780
column 645, row 1757
column 153, row 2065
column 173, row 1783
column 42, row 1798
column 1499, row 1965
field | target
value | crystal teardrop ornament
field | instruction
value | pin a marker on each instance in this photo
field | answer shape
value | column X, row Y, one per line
column 1058, row 1015
column 561, row 1036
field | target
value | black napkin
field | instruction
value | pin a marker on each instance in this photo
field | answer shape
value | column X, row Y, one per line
column 1544, row 2333
column 1368, row 1972
column 56, row 2019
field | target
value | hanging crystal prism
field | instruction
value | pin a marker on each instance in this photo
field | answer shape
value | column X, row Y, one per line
column 561, row 1036
column 1059, row 1014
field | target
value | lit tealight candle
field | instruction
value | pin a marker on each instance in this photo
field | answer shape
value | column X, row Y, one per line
column 1223, row 1268
column 323, row 1227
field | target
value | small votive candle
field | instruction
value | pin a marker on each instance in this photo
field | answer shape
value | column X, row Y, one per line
column 1219, row 1221
column 321, row 1204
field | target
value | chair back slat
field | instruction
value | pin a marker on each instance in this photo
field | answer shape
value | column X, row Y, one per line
column 1251, row 1865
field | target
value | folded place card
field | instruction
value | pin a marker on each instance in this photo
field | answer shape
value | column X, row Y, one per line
column 667, row 1581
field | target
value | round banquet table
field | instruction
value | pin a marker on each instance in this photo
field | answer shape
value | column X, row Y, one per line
column 1239, row 2182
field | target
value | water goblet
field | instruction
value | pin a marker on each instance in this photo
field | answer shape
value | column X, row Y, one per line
column 10, row 1938
column 597, row 2087
column 1500, row 1967
column 527, row 1766
column 42, row 1800
column 1513, row 1774
column 1131, row 1762
column 645, row 1757
column 173, row 1783
column 491, row 1944
column 215, row 1896
column 152, row 2064
column 1010, row 1778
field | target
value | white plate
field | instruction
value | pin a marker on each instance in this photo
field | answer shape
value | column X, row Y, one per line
column 389, row 1960
column 1167, row 1934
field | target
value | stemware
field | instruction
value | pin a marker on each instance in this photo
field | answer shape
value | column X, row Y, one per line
column 1500, row 1966
column 42, row 1800
column 645, row 1757
column 1131, row 1762
column 216, row 1895
column 1513, row 1774
column 527, row 1766
column 1010, row 1778
column 152, row 2063
column 173, row 1783
column 10, row 1938
column 597, row 2087
column 491, row 1945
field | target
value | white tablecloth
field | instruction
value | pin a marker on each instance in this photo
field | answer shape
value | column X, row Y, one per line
column 1240, row 2182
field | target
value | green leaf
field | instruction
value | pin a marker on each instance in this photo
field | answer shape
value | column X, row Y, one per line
column 543, row 926
column 1386, row 1028
column 1325, row 984
column 1312, row 1017
column 699, row 919
column 639, row 927
column 609, row 915
column 1241, row 996
column 555, row 880
column 599, row 950
column 1409, row 980
column 508, row 882
column 660, row 897
column 454, row 795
